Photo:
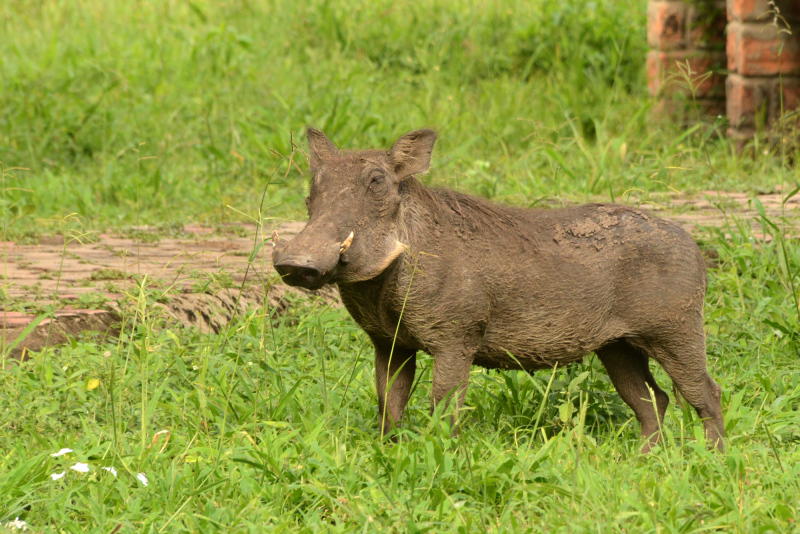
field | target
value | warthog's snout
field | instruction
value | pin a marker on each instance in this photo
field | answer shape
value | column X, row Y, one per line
column 300, row 272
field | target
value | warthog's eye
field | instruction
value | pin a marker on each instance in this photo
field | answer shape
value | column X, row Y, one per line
column 377, row 179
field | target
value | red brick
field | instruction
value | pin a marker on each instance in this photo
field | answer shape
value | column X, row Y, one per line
column 756, row 102
column 790, row 87
column 665, row 77
column 758, row 49
column 732, row 38
column 746, row 97
column 15, row 319
column 666, row 25
column 761, row 10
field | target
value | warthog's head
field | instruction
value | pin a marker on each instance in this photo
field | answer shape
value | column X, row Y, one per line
column 353, row 211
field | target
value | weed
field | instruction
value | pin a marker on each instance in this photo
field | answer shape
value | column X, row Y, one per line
column 210, row 282
column 109, row 274
column 92, row 301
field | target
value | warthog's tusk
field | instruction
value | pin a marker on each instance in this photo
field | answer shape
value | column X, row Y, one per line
column 275, row 238
column 346, row 243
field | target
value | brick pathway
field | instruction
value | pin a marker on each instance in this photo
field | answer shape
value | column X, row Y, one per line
column 203, row 270
column 716, row 209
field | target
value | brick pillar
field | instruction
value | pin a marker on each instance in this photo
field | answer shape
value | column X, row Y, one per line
column 763, row 63
column 681, row 33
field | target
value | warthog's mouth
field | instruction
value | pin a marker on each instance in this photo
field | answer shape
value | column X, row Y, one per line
column 294, row 273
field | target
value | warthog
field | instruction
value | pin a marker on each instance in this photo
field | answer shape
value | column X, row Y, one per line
column 475, row 283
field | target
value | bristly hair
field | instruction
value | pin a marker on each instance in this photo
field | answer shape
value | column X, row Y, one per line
column 477, row 213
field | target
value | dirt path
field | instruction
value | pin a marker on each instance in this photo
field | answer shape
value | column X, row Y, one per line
column 203, row 269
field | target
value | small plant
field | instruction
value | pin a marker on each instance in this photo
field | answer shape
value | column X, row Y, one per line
column 211, row 282
column 92, row 301
column 109, row 274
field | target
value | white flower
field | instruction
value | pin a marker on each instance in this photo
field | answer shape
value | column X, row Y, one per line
column 17, row 525
column 62, row 452
column 56, row 476
column 107, row 354
column 142, row 478
column 80, row 467
column 111, row 470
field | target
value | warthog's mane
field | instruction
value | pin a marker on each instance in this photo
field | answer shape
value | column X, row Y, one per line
column 473, row 212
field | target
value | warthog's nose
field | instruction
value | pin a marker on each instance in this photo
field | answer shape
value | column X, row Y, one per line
column 299, row 272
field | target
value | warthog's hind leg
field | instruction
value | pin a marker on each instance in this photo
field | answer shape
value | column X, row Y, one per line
column 684, row 360
column 629, row 371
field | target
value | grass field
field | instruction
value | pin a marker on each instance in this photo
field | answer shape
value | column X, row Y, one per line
column 162, row 113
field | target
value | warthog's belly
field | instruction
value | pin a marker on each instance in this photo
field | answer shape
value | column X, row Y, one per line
column 525, row 364
column 530, row 362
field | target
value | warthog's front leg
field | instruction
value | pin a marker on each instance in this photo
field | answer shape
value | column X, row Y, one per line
column 394, row 374
column 450, row 380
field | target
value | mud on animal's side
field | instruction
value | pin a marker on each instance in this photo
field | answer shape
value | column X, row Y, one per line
column 472, row 282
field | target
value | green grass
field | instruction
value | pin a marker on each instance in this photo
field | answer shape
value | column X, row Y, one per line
column 163, row 113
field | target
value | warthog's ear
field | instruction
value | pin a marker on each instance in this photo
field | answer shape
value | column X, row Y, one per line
column 411, row 154
column 321, row 147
